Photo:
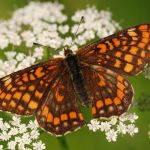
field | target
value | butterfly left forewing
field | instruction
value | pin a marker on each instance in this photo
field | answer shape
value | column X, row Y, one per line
column 22, row 92
column 110, row 93
column 126, row 52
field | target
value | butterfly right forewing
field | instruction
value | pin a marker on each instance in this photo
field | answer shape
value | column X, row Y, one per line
column 126, row 52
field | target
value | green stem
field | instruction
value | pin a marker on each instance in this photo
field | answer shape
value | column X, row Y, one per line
column 62, row 141
column 48, row 53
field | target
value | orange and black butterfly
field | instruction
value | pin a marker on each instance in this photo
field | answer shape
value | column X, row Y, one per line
column 95, row 74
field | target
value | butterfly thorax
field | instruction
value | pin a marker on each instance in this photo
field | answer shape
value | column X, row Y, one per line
column 72, row 63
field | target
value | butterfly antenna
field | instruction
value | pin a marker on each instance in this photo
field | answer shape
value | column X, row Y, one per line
column 76, row 33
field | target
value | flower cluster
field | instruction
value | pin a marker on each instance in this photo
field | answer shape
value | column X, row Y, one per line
column 115, row 126
column 39, row 23
column 17, row 61
column 20, row 135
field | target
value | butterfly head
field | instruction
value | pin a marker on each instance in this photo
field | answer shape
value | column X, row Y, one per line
column 67, row 51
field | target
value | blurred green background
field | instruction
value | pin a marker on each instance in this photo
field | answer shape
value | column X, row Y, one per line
column 127, row 13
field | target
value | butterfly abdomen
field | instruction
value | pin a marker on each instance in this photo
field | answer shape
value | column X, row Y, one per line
column 73, row 66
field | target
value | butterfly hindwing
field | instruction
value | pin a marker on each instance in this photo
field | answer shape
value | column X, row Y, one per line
column 126, row 52
column 110, row 93
column 23, row 91
column 59, row 114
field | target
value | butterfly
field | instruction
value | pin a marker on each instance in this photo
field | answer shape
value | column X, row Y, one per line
column 95, row 74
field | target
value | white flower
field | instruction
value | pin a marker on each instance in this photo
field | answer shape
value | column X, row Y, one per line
column 105, row 126
column 29, row 38
column 146, row 72
column 34, row 134
column 3, row 42
column 121, row 128
column 22, row 128
column 94, row 125
column 132, row 117
column 39, row 146
column 21, row 146
column 16, row 121
column 113, row 120
column 5, row 126
column 131, row 129
column 1, row 147
column 1, row 75
column 38, row 52
column 28, row 61
column 26, row 138
column 67, row 41
column 12, row 145
column 10, row 54
column 13, row 131
column 74, row 47
column 111, row 135
column 20, row 56
column 63, row 29
column 123, row 117
column 33, row 124
column 13, row 38
column 1, row 123
column 4, row 136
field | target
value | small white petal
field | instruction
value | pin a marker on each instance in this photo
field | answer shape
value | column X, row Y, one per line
column 39, row 146
column 131, row 129
column 111, row 135
column 12, row 145
column 13, row 131
column 10, row 54
column 16, row 121
column 113, row 120
column 20, row 56
column 1, row 147
column 94, row 125
column 105, row 126
column 122, row 128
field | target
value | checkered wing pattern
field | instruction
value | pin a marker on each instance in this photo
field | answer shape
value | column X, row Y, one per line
column 59, row 114
column 110, row 93
column 126, row 52
column 23, row 92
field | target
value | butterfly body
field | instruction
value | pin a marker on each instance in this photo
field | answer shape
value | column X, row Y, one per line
column 72, row 63
column 95, row 74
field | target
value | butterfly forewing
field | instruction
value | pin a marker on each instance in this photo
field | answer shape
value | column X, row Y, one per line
column 22, row 92
column 59, row 113
column 125, row 52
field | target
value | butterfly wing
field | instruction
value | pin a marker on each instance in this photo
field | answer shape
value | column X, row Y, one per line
column 59, row 114
column 126, row 52
column 22, row 92
column 110, row 93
